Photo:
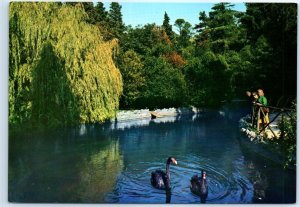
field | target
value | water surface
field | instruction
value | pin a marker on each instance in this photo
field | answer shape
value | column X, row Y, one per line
column 112, row 163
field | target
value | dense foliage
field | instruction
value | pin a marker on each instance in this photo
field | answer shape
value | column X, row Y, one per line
column 134, row 80
column 61, row 70
column 271, row 32
column 63, row 59
column 227, row 53
column 288, row 137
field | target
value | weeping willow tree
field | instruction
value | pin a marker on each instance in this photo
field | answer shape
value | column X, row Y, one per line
column 61, row 70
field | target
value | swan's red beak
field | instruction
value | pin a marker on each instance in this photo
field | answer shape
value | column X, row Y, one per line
column 174, row 161
column 204, row 175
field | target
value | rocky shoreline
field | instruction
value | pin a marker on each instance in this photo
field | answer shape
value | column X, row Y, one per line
column 124, row 115
column 264, row 144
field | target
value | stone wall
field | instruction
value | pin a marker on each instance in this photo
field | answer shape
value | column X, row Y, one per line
column 133, row 114
column 145, row 113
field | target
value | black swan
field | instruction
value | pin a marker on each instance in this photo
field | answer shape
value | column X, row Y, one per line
column 160, row 179
column 199, row 186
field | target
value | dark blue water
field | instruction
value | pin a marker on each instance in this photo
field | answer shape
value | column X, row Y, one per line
column 112, row 163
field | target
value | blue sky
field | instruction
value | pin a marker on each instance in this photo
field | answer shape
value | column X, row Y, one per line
column 148, row 12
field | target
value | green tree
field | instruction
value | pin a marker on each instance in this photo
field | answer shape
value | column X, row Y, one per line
column 115, row 20
column 179, row 24
column 276, row 24
column 202, row 30
column 207, row 79
column 140, row 39
column 167, row 26
column 59, row 60
column 50, row 91
column 90, row 10
column 97, row 15
column 219, row 31
column 131, row 68
column 185, row 32
column 218, row 43
column 102, row 21
column 164, row 85
column 101, row 13
column 160, row 63
column 288, row 137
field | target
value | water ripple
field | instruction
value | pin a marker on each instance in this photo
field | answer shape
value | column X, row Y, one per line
column 135, row 183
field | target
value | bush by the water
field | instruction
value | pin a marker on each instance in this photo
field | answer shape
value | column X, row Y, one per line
column 288, row 138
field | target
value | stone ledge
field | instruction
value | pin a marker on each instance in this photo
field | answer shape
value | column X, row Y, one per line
column 123, row 115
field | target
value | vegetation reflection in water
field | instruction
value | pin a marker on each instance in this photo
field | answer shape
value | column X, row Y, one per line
column 78, row 166
column 112, row 163
column 99, row 173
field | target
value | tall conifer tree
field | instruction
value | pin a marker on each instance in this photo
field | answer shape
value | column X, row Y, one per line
column 166, row 25
column 101, row 14
column 115, row 20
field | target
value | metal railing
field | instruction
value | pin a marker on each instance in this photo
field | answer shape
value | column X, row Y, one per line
column 259, row 114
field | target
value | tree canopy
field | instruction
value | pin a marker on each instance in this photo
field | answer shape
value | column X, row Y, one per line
column 61, row 70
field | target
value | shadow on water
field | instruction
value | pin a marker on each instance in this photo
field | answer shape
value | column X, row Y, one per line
column 73, row 165
column 112, row 163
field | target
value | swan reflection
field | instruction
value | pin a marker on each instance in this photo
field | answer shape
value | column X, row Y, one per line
column 168, row 196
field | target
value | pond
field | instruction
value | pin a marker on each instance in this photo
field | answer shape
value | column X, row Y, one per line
column 112, row 162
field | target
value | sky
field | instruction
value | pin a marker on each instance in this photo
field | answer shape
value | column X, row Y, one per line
column 147, row 12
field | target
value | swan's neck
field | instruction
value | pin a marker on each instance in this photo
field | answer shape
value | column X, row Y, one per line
column 168, row 175
column 168, row 169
